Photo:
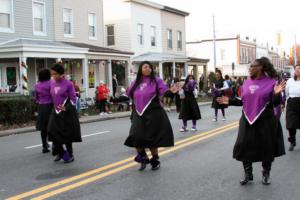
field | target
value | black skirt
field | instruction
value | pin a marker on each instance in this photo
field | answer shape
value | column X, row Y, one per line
column 189, row 108
column 64, row 127
column 293, row 113
column 261, row 141
column 151, row 130
column 44, row 112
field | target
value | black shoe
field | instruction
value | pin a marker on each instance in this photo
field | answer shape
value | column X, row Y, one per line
column 71, row 159
column 292, row 146
column 46, row 150
column 248, row 178
column 144, row 162
column 57, row 158
column 266, row 178
column 155, row 164
column 139, row 157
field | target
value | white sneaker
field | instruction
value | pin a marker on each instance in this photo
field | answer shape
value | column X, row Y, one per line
column 214, row 120
column 101, row 114
column 168, row 109
column 105, row 113
column 193, row 129
column 183, row 129
column 224, row 119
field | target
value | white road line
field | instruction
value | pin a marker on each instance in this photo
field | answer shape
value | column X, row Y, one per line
column 88, row 135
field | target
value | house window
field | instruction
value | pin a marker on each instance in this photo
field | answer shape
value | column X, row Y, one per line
column 68, row 22
column 153, row 36
column 179, row 40
column 92, row 26
column 39, row 18
column 6, row 15
column 110, row 35
column 170, row 42
column 140, row 34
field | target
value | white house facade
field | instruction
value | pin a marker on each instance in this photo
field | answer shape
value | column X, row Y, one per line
column 151, row 31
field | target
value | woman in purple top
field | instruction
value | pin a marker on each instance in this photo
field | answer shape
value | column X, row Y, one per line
column 189, row 107
column 260, row 137
column 45, row 105
column 64, row 127
column 150, row 125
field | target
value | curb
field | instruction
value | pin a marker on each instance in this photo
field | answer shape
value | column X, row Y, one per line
column 92, row 119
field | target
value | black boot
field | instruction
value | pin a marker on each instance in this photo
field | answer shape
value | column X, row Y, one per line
column 266, row 177
column 292, row 143
column 144, row 162
column 57, row 158
column 143, row 159
column 248, row 174
column 45, row 150
column 292, row 146
column 155, row 162
column 292, row 140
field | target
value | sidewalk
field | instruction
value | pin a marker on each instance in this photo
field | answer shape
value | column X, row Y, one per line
column 83, row 120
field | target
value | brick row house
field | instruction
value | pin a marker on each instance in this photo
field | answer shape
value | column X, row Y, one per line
column 234, row 54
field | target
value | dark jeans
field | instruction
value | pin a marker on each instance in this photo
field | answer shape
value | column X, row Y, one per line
column 44, row 136
column 216, row 112
column 102, row 104
column 114, row 91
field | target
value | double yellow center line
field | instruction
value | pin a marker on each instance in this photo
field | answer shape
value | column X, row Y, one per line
column 100, row 173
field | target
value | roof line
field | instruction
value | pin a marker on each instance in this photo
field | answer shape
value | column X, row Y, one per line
column 211, row 40
column 146, row 3
column 175, row 11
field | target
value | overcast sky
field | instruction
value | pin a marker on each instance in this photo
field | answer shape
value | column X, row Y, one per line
column 260, row 19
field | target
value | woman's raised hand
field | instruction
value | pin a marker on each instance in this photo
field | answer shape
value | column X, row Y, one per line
column 279, row 87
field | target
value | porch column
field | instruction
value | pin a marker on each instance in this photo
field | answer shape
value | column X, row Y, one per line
column 160, row 69
column 85, row 76
column 109, row 62
column 196, row 73
column 126, row 73
column 174, row 69
column 205, row 76
column 186, row 69
column 23, row 76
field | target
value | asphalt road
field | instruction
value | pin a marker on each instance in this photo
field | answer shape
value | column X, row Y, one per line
column 199, row 167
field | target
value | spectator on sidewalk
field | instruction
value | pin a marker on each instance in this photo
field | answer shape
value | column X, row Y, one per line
column 102, row 96
column 115, row 85
column 77, row 92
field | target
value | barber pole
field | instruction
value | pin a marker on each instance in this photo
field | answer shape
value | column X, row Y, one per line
column 24, row 68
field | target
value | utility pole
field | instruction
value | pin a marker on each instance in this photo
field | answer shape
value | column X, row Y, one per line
column 295, row 51
column 214, row 41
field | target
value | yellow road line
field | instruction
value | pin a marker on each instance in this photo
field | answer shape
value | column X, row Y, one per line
column 122, row 168
column 101, row 169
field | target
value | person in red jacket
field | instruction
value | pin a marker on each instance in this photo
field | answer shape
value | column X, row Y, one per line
column 102, row 95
